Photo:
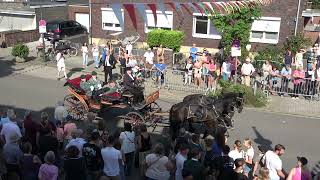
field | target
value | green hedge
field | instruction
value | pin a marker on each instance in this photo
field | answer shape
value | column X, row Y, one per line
column 257, row 100
column 168, row 38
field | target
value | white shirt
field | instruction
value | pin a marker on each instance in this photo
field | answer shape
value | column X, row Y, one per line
column 179, row 166
column 9, row 129
column 247, row 69
column 84, row 49
column 149, row 57
column 273, row 163
column 249, row 153
column 95, row 51
column 157, row 167
column 235, row 154
column 132, row 63
column 78, row 142
column 226, row 68
column 129, row 48
column 60, row 61
column 111, row 158
column 127, row 139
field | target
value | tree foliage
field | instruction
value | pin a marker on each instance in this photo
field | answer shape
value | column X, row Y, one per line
column 315, row 4
column 294, row 43
column 236, row 25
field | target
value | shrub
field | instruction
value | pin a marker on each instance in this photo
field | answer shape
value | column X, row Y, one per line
column 20, row 50
column 272, row 53
column 256, row 100
column 168, row 38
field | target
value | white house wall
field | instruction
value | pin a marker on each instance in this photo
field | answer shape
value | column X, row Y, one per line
column 17, row 22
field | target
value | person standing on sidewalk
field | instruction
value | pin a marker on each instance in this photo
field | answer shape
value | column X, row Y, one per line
column 108, row 64
column 247, row 70
column 85, row 52
column 95, row 55
column 61, row 65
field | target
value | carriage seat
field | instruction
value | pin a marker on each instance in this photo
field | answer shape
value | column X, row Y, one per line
column 75, row 84
column 111, row 97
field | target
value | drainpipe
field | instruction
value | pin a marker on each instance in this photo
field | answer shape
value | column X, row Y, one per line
column 297, row 18
column 90, row 21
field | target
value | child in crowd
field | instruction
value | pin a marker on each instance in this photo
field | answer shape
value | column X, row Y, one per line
column 188, row 74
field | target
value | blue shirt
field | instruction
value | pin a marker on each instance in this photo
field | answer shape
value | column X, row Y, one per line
column 193, row 53
column 285, row 72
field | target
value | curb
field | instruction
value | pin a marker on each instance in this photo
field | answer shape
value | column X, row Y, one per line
column 281, row 113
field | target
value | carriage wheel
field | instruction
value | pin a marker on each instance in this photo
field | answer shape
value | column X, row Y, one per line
column 134, row 118
column 74, row 107
column 154, row 107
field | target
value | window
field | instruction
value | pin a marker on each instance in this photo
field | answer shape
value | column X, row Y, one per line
column 203, row 27
column 110, row 21
column 265, row 30
column 164, row 21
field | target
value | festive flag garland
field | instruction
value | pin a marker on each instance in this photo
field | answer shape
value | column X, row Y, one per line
column 224, row 7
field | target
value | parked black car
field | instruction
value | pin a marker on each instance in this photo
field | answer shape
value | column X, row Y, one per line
column 60, row 29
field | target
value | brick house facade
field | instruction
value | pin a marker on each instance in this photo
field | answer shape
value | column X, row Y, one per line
column 281, row 14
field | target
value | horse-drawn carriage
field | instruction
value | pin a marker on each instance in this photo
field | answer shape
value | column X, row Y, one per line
column 78, row 104
column 148, row 112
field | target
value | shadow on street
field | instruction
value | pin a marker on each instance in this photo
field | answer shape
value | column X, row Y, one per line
column 6, row 67
column 73, row 71
column 260, row 140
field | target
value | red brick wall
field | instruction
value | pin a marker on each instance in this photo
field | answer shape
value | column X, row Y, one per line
column 13, row 37
column 285, row 9
column 72, row 10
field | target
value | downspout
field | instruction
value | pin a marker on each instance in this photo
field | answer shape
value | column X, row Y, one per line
column 297, row 18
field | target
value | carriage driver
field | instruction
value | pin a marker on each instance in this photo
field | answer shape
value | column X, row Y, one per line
column 129, row 83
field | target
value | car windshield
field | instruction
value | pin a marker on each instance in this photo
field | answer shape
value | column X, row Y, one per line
column 51, row 26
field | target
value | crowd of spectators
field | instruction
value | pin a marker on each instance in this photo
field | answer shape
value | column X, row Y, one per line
column 51, row 149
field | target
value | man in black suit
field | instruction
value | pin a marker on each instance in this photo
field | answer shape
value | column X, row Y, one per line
column 129, row 83
column 108, row 65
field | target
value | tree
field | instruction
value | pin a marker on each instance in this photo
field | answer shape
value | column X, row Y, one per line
column 315, row 4
column 294, row 43
column 236, row 25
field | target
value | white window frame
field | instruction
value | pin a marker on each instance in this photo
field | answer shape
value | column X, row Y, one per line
column 170, row 18
column 198, row 35
column 263, row 39
column 114, row 28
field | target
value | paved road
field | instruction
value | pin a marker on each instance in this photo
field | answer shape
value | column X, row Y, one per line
column 39, row 90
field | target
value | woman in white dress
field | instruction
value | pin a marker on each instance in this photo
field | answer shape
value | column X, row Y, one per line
column 85, row 52
column 61, row 65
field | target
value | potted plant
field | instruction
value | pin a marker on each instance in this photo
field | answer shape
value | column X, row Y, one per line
column 20, row 52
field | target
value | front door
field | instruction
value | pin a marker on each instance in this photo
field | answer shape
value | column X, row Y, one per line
column 83, row 19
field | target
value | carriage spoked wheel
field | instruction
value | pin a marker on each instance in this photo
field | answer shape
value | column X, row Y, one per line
column 134, row 118
column 74, row 107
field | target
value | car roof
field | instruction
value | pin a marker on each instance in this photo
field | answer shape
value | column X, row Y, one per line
column 58, row 21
